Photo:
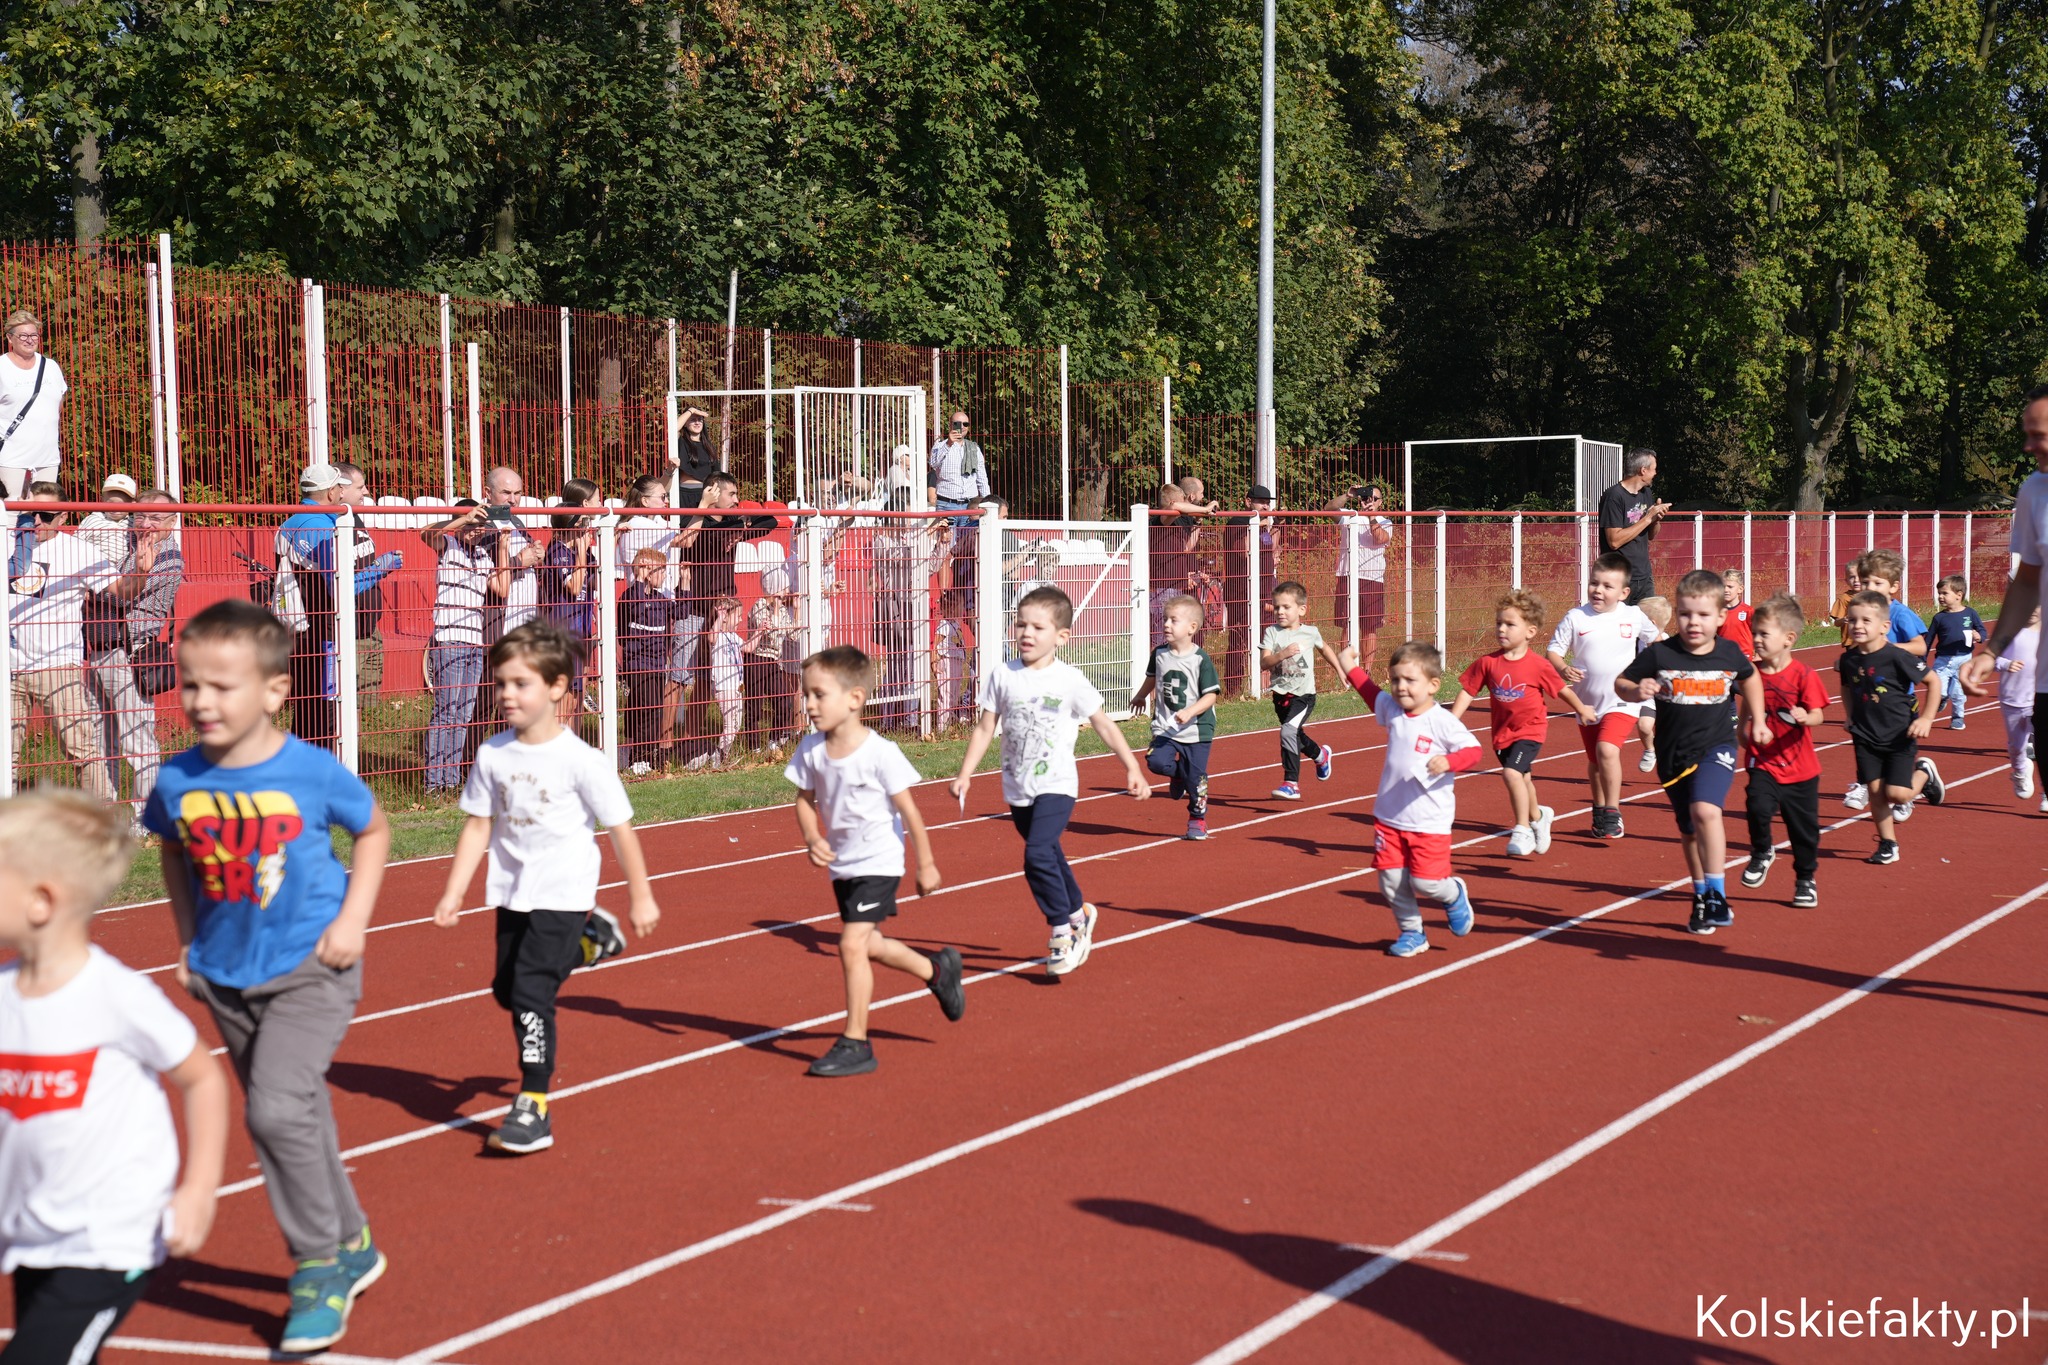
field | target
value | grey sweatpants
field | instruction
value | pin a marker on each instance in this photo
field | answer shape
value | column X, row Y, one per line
column 282, row 1034
column 1399, row 885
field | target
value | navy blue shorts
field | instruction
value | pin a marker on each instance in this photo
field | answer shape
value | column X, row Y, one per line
column 1707, row 781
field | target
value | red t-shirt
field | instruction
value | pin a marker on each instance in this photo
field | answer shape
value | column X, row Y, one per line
column 1516, row 689
column 1735, row 626
column 1790, row 755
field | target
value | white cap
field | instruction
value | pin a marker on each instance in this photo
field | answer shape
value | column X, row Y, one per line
column 318, row 478
column 118, row 483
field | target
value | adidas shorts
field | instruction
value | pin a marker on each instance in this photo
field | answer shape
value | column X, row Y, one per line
column 1708, row 781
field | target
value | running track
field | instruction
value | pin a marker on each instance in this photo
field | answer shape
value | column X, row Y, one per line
column 1240, row 1131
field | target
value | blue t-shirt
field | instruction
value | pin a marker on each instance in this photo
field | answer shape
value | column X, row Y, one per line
column 1945, row 636
column 1905, row 625
column 265, row 881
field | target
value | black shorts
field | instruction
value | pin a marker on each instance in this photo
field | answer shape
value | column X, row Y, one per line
column 68, row 1313
column 1521, row 755
column 1891, row 764
column 865, row 900
column 1708, row 781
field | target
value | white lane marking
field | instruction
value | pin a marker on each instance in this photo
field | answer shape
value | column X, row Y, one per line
column 746, row 1232
column 1369, row 1249
column 842, row 1208
column 224, row 1350
column 1334, row 1293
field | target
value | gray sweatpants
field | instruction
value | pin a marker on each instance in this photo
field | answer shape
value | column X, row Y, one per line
column 282, row 1034
column 1399, row 885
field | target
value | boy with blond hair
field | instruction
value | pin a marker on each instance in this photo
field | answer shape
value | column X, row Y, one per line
column 1288, row 651
column 1515, row 681
column 1784, row 774
column 1182, row 683
column 1881, row 572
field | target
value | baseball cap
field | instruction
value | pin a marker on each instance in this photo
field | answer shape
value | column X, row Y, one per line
column 318, row 478
column 118, row 483
column 1259, row 493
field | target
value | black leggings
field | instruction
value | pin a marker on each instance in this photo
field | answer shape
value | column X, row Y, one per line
column 66, row 1314
column 537, row 949
column 1294, row 709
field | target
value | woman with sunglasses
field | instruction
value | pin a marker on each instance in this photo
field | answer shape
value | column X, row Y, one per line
column 32, row 391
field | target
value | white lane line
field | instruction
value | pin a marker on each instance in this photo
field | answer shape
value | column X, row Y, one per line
column 1369, row 1249
column 1334, row 1293
column 224, row 1351
column 841, row 1208
column 748, row 1231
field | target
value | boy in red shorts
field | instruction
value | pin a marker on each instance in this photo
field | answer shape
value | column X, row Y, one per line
column 1603, row 635
column 1516, row 682
column 1784, row 775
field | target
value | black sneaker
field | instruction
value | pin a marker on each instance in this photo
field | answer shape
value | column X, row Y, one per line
column 1701, row 922
column 1759, row 867
column 1936, row 789
column 1614, row 830
column 1599, row 822
column 525, row 1129
column 847, row 1057
column 945, row 982
column 1887, row 852
column 601, row 938
column 1804, row 894
column 1718, row 912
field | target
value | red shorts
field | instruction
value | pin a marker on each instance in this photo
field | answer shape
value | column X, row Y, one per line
column 1613, row 728
column 1427, row 856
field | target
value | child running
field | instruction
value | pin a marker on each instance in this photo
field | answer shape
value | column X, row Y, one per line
column 853, row 805
column 1042, row 701
column 1838, row 615
column 1182, row 684
column 1695, row 678
column 1418, row 800
column 1878, row 682
column 90, row 1199
column 1952, row 636
column 272, row 929
column 1604, row 636
column 1881, row 571
column 531, row 799
column 1515, row 683
column 1288, row 651
column 1658, row 609
column 2016, row 705
column 1784, row 775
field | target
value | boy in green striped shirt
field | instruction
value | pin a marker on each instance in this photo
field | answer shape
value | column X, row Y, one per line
column 1182, row 683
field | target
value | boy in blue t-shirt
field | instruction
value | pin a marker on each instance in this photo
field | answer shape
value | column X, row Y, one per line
column 273, row 928
column 1952, row 636
column 1882, row 571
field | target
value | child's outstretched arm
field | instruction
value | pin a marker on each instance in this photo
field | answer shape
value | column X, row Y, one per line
column 920, row 841
column 641, row 911
column 1332, row 658
column 1348, row 665
column 205, row 1088
column 1462, row 704
column 1923, row 723
column 977, row 745
column 1134, row 776
column 178, row 888
column 815, row 844
column 470, row 846
column 341, row 946
column 1139, row 697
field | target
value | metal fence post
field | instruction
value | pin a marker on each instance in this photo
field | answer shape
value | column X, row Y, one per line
column 1870, row 530
column 671, row 418
column 1408, row 541
column 1747, row 578
column 1348, row 528
column 568, row 446
column 168, row 319
column 1515, row 540
column 447, row 403
column 1442, row 593
column 1792, row 555
column 1905, row 555
column 1166, row 428
column 1255, row 566
column 1699, row 540
column 1066, row 454
column 7, row 535
column 1834, row 570
column 154, row 315
column 344, row 549
column 1934, row 555
column 1141, row 592
column 989, row 652
column 1968, row 549
column 476, row 435
column 608, row 634
column 768, row 402
column 815, row 634
column 859, row 429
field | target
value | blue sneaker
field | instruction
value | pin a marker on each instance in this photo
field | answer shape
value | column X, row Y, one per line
column 363, row 1263
column 1460, row 910
column 1287, row 791
column 1325, row 761
column 1411, row 943
column 318, row 1315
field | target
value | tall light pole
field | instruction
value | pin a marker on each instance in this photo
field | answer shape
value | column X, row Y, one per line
column 1264, row 461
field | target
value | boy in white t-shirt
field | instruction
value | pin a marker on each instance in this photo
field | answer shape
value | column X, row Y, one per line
column 1041, row 701
column 90, row 1200
column 1603, row 635
column 532, row 797
column 2016, row 684
column 853, row 805
column 1417, row 801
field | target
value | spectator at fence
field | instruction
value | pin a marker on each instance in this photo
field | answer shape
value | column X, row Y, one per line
column 305, row 601
column 1629, row 514
column 959, row 471
column 706, row 545
column 107, row 532
column 31, row 397
column 520, row 600
column 902, row 557
column 694, row 461
column 722, row 644
column 1243, row 601
column 568, row 581
column 1362, row 555
column 647, row 624
column 952, row 638
column 468, row 554
column 640, row 530
column 354, row 490
column 770, row 661
column 46, row 601
column 146, row 595
column 1174, row 533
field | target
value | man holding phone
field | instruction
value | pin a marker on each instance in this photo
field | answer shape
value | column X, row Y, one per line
column 1629, row 514
column 959, row 471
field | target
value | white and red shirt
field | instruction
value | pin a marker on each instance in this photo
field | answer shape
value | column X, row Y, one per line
column 88, row 1156
column 1601, row 644
column 1410, row 797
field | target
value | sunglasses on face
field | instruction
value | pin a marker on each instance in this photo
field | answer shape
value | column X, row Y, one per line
column 47, row 517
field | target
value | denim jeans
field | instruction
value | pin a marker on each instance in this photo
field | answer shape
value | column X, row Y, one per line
column 457, row 671
column 1945, row 670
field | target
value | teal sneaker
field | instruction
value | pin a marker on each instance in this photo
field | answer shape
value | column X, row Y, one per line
column 319, row 1307
column 363, row 1263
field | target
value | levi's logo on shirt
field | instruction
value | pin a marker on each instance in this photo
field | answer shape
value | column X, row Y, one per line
column 32, row 1085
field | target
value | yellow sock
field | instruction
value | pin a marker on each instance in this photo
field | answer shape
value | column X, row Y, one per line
column 539, row 1098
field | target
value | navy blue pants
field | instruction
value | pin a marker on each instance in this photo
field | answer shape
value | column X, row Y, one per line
column 1189, row 763
column 1045, row 863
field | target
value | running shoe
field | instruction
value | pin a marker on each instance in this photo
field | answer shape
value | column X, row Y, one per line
column 1410, row 943
column 601, row 937
column 846, row 1057
column 1902, row 811
column 1197, row 830
column 1459, row 911
column 1544, row 816
column 1614, row 826
column 1857, row 797
column 637, row 770
column 362, row 1262
column 1648, row 762
column 1719, row 913
column 1521, row 841
column 1936, row 790
column 2044, row 803
column 1059, row 953
column 1887, row 852
column 1956, row 722
column 525, row 1129
column 1287, row 791
column 1083, row 925
column 317, row 1315
column 2023, row 784
column 1805, row 895
column 1700, row 922
column 1759, row 867
column 1326, row 761
column 945, row 983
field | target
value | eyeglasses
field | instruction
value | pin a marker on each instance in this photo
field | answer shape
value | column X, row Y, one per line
column 47, row 517
column 959, row 426
column 24, row 334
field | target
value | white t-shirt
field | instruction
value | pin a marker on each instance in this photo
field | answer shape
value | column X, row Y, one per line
column 1602, row 644
column 88, row 1157
column 2017, row 689
column 640, row 534
column 2030, row 541
column 46, row 624
column 522, row 594
column 1410, row 798
column 1372, row 558
column 543, row 800
column 727, row 673
column 34, row 443
column 1041, row 710
column 853, row 794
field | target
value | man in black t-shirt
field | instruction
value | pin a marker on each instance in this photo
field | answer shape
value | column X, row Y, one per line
column 1629, row 514
column 1878, row 684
